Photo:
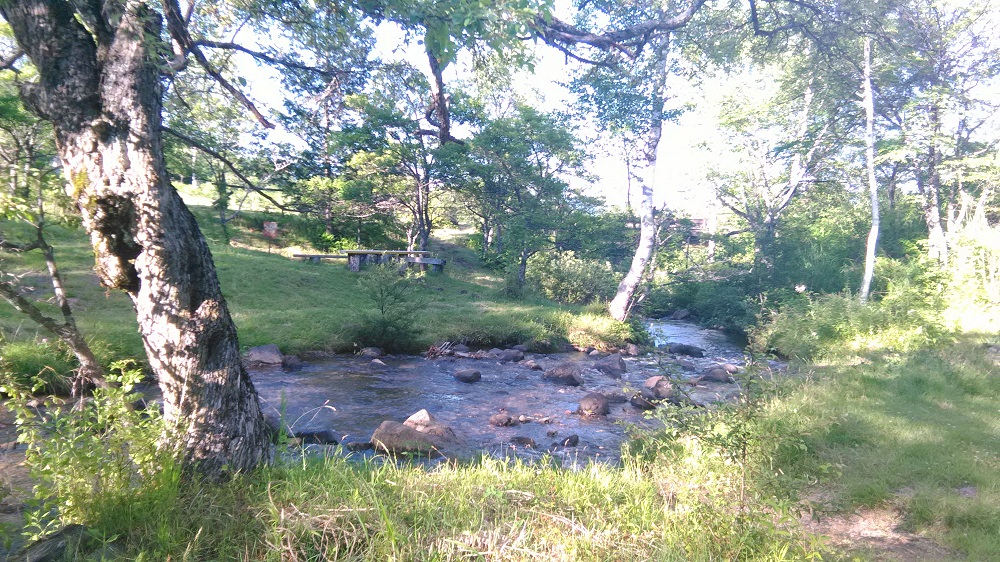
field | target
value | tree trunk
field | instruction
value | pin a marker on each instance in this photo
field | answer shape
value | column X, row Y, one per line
column 628, row 290
column 937, row 244
column 872, row 243
column 100, row 87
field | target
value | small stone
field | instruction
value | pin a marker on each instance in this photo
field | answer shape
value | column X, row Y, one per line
column 321, row 437
column 502, row 420
column 523, row 441
column 570, row 441
column 594, row 404
column 595, row 353
column 357, row 446
column 687, row 365
column 377, row 363
column 531, row 364
column 520, row 347
column 641, row 402
column 371, row 352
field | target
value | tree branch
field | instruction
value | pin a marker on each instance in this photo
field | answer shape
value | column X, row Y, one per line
column 181, row 36
column 267, row 58
column 247, row 183
column 556, row 31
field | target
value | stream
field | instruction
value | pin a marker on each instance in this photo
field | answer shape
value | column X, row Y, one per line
column 349, row 397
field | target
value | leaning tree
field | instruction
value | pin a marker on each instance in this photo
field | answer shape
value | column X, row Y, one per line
column 100, row 83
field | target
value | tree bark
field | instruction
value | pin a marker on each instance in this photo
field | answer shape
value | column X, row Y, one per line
column 100, row 87
column 872, row 242
column 628, row 290
column 930, row 189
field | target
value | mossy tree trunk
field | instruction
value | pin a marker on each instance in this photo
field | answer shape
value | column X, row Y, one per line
column 100, row 86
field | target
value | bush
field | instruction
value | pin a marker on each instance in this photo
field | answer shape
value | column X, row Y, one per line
column 906, row 316
column 391, row 322
column 102, row 454
column 725, row 303
column 563, row 277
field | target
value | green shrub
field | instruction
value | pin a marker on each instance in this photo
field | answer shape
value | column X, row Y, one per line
column 89, row 458
column 905, row 315
column 563, row 277
column 390, row 323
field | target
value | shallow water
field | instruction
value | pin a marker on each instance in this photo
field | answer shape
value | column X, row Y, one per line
column 351, row 396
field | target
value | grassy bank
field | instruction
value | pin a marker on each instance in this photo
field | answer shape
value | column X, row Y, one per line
column 917, row 434
column 299, row 306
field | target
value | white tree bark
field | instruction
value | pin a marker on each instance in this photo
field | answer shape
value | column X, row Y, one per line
column 628, row 290
column 872, row 243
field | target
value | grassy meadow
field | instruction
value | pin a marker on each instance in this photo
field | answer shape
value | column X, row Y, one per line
column 915, row 434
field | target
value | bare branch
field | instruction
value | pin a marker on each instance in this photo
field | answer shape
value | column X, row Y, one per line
column 250, row 185
column 268, row 58
column 181, row 36
column 554, row 31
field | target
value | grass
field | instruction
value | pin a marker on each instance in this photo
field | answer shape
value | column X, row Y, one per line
column 918, row 432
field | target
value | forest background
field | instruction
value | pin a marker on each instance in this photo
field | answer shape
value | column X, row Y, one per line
column 847, row 156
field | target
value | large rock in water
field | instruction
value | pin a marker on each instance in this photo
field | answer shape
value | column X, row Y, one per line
column 567, row 373
column 612, row 365
column 509, row 355
column 394, row 437
column 594, row 404
column 420, row 433
column 264, row 355
column 468, row 375
column 425, row 423
column 685, row 349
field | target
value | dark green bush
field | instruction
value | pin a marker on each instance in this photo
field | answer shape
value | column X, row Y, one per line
column 563, row 277
column 394, row 302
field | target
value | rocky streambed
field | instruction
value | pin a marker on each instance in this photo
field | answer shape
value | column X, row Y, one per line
column 575, row 407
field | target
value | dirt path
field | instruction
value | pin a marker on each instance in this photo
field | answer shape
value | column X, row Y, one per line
column 875, row 534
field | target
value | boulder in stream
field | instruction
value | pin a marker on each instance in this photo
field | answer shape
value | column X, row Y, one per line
column 264, row 355
column 594, row 404
column 612, row 365
column 685, row 349
column 718, row 373
column 468, row 375
column 568, row 374
column 395, row 438
column 424, row 422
